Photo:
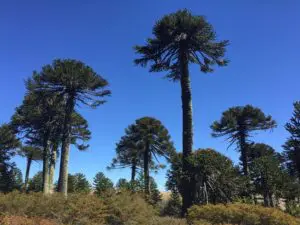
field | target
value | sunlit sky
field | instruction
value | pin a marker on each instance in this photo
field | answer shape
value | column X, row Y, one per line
column 264, row 67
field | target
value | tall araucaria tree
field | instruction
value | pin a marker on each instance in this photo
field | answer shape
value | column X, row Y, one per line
column 128, row 153
column 292, row 145
column 237, row 124
column 181, row 39
column 78, row 84
column 156, row 142
column 266, row 172
column 37, row 121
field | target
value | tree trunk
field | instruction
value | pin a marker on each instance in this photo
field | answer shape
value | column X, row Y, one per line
column 63, row 171
column 46, row 167
column 187, row 125
column 52, row 169
column 29, row 161
column 65, row 149
column 146, row 170
column 133, row 172
column 244, row 153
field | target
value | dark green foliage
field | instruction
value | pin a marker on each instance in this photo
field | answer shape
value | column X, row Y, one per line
column 173, row 205
column 102, row 184
column 292, row 145
column 237, row 124
column 128, row 153
column 266, row 172
column 76, row 83
column 123, row 184
column 8, row 143
column 213, row 177
column 154, row 195
column 155, row 139
column 10, row 177
column 78, row 183
column 144, row 142
column 182, row 31
column 36, row 182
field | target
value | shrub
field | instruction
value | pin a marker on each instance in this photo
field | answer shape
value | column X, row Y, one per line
column 167, row 221
column 128, row 208
column 241, row 214
column 293, row 208
column 77, row 209
column 123, row 208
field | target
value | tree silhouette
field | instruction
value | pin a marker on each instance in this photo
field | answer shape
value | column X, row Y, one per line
column 181, row 39
column 292, row 145
column 237, row 123
column 76, row 83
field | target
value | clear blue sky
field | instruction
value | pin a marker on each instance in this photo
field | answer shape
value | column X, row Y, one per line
column 264, row 68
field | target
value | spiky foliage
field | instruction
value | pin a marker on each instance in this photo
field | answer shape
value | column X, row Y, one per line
column 182, row 33
column 76, row 83
column 128, row 153
column 292, row 145
column 156, row 142
column 266, row 172
column 154, row 196
column 237, row 124
column 8, row 144
column 173, row 206
column 140, row 148
column 180, row 39
column 36, row 182
column 39, row 121
column 123, row 184
column 78, row 183
column 8, row 148
column 102, row 184
column 213, row 177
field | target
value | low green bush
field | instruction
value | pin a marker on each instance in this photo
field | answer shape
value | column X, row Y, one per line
column 293, row 208
column 239, row 214
column 77, row 209
column 122, row 208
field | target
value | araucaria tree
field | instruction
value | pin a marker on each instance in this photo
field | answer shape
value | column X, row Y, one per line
column 77, row 84
column 8, row 145
column 181, row 39
column 266, row 172
column 237, row 123
column 292, row 145
column 128, row 153
column 213, row 177
column 156, row 142
column 102, row 184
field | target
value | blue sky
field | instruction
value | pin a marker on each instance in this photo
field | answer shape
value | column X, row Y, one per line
column 264, row 71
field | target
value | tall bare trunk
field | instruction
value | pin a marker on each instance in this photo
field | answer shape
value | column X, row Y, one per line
column 52, row 168
column 46, row 167
column 244, row 153
column 187, row 125
column 146, row 170
column 65, row 149
column 29, row 161
column 133, row 172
